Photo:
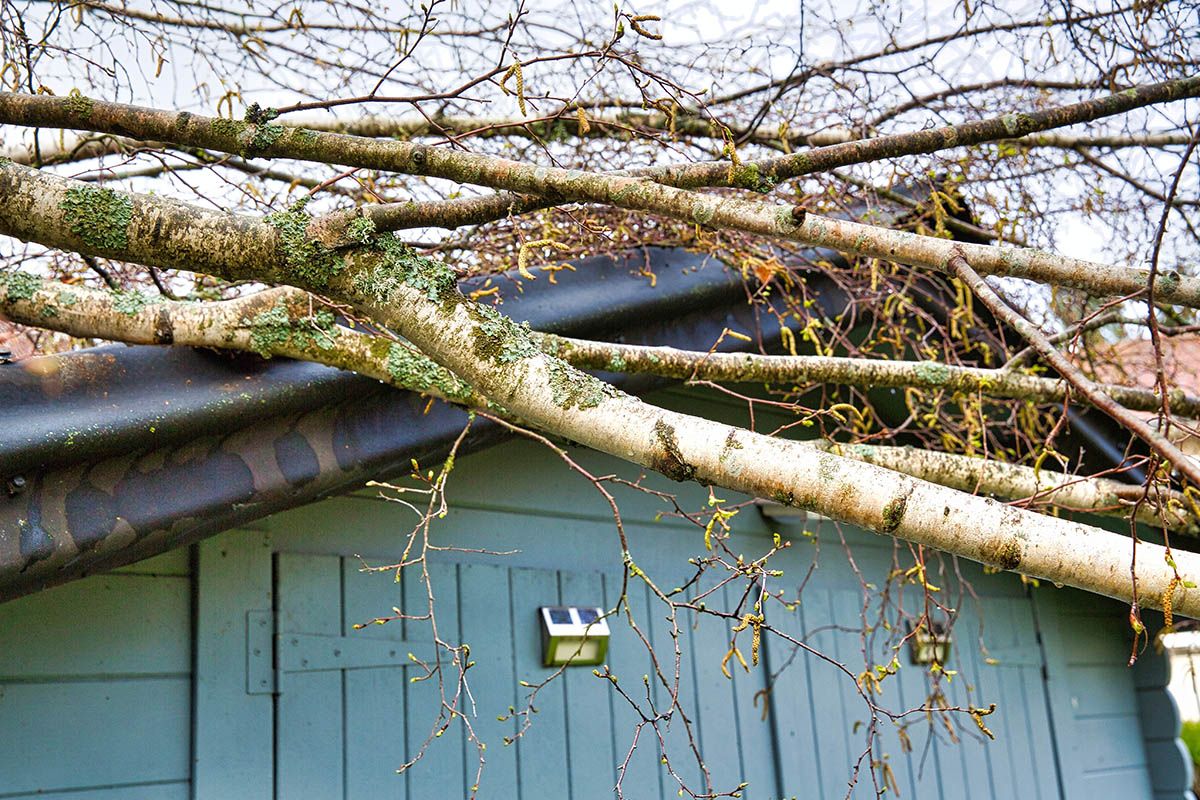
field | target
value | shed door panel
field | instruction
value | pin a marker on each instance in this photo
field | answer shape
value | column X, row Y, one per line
column 1092, row 693
column 820, row 720
column 346, row 722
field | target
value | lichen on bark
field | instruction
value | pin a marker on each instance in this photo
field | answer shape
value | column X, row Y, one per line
column 307, row 262
column 893, row 511
column 393, row 264
column 572, row 387
column 666, row 456
column 79, row 105
column 420, row 373
column 265, row 135
column 498, row 339
column 130, row 302
column 232, row 128
column 98, row 216
column 275, row 328
column 20, row 285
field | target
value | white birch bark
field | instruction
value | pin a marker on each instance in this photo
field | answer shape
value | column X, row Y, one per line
column 281, row 322
column 419, row 300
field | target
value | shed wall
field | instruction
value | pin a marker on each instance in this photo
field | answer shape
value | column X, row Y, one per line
column 98, row 697
column 96, row 685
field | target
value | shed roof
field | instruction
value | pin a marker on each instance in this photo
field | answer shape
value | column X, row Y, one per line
column 115, row 454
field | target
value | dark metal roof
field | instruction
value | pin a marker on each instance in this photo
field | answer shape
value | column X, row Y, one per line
column 115, row 454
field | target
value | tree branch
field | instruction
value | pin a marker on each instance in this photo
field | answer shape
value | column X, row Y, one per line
column 282, row 322
column 1088, row 388
column 560, row 185
column 419, row 299
column 862, row 372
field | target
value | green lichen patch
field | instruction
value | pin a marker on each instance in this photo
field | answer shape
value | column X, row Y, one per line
column 270, row 330
column 307, row 262
column 893, row 512
column 130, row 303
column 1168, row 281
column 98, row 216
column 931, row 373
column 256, row 114
column 395, row 264
column 616, row 363
column 66, row 299
column 20, row 285
column 748, row 176
column 361, row 230
column 264, row 136
column 275, row 328
column 79, row 105
column 411, row 370
column 233, row 128
column 570, row 387
column 553, row 346
column 498, row 339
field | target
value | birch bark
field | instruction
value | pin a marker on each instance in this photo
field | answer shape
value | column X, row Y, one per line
column 419, row 299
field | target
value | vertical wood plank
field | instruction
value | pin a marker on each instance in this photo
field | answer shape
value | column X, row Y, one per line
column 486, row 625
column 375, row 733
column 541, row 750
column 309, row 756
column 628, row 660
column 832, row 709
column 791, row 705
column 1113, row 764
column 917, row 773
column 589, row 721
column 962, row 768
column 675, row 733
column 439, row 773
column 715, row 716
column 754, row 730
column 233, row 731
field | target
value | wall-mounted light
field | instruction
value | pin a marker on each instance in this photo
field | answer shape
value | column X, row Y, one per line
column 573, row 634
column 930, row 642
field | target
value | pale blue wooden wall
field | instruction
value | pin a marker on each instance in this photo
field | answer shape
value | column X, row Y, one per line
column 97, row 697
column 96, row 684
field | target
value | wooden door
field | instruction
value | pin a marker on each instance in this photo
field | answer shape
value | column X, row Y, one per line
column 322, row 709
column 348, row 711
column 821, row 720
